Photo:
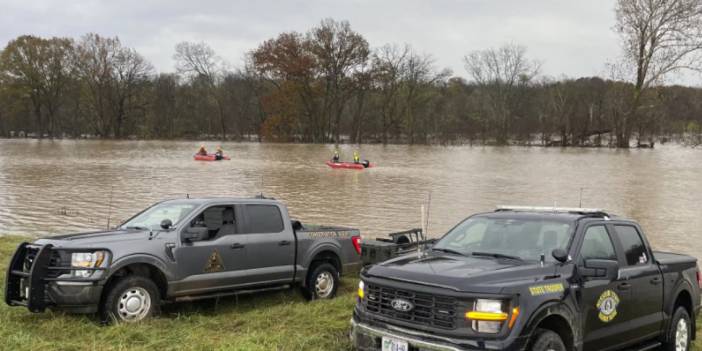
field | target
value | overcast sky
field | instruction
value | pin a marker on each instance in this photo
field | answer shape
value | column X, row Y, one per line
column 572, row 38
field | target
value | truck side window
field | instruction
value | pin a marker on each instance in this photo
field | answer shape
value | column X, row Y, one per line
column 597, row 244
column 633, row 246
column 219, row 221
column 263, row 219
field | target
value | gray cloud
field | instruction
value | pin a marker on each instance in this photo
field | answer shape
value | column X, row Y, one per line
column 571, row 38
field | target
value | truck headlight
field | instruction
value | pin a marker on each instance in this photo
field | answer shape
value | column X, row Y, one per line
column 487, row 315
column 87, row 260
column 361, row 290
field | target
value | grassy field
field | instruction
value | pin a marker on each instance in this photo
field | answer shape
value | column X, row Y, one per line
column 270, row 321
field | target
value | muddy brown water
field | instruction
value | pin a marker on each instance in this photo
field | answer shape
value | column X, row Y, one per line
column 52, row 187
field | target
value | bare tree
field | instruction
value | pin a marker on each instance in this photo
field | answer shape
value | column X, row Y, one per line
column 499, row 73
column 198, row 62
column 131, row 73
column 659, row 37
column 339, row 52
column 94, row 56
column 419, row 77
column 389, row 64
column 113, row 78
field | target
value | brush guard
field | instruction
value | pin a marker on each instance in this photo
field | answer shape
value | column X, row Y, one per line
column 26, row 285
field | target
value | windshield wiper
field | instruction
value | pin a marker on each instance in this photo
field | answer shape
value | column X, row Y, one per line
column 448, row 251
column 497, row 255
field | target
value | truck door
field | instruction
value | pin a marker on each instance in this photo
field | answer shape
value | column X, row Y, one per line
column 601, row 300
column 271, row 244
column 216, row 261
column 645, row 281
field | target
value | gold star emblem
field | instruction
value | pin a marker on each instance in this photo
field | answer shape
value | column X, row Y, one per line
column 214, row 263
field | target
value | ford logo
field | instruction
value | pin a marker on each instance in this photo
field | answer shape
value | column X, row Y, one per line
column 401, row 305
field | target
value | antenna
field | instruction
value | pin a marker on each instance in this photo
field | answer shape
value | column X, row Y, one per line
column 581, row 197
column 419, row 246
column 109, row 207
column 426, row 225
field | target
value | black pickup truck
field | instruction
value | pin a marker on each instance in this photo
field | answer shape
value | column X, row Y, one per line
column 181, row 250
column 531, row 279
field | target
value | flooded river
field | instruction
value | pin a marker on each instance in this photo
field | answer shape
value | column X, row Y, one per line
column 52, row 187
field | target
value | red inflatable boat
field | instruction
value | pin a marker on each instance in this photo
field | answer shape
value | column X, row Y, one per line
column 209, row 157
column 348, row 165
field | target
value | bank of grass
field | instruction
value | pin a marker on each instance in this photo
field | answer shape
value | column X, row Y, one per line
column 267, row 321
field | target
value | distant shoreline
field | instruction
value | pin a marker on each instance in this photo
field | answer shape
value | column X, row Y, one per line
column 659, row 140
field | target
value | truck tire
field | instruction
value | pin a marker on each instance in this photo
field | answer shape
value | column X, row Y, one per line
column 130, row 299
column 679, row 334
column 547, row 340
column 322, row 282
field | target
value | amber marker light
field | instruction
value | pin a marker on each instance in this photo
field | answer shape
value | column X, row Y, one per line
column 513, row 319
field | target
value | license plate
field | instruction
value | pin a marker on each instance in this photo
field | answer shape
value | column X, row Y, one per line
column 394, row 345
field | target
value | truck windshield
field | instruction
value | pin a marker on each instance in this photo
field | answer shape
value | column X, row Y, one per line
column 151, row 218
column 523, row 239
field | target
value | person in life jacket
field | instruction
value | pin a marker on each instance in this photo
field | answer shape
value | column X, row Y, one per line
column 335, row 158
column 202, row 151
column 356, row 157
column 219, row 154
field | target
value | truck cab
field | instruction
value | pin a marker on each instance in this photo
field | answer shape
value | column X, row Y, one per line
column 531, row 278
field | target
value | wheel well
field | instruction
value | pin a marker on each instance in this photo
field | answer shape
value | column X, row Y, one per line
column 326, row 257
column 144, row 270
column 685, row 300
column 559, row 325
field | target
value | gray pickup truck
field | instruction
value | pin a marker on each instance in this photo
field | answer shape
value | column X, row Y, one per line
column 180, row 250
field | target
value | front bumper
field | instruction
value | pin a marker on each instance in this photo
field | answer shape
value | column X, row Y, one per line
column 366, row 337
column 35, row 288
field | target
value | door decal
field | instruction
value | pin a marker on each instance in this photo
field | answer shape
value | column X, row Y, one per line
column 214, row 263
column 607, row 304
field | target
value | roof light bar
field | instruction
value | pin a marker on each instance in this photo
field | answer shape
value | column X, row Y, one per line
column 551, row 209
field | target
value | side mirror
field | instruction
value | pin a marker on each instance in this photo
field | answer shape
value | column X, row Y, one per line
column 166, row 224
column 191, row 234
column 604, row 269
column 560, row 255
column 296, row 225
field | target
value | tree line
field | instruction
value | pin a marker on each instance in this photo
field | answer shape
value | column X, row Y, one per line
column 329, row 85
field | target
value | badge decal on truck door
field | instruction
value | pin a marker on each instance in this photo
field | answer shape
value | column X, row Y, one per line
column 607, row 304
column 214, row 263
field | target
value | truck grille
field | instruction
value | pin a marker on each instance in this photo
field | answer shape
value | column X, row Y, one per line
column 430, row 310
column 55, row 262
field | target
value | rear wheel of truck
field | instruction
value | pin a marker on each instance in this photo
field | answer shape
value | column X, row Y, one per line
column 130, row 299
column 322, row 282
column 547, row 340
column 679, row 333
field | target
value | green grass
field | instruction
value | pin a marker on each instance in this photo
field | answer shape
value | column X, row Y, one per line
column 268, row 321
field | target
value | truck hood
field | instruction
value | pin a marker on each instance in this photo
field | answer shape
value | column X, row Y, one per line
column 95, row 238
column 475, row 274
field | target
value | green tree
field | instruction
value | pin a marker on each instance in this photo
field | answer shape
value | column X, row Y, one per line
column 38, row 70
